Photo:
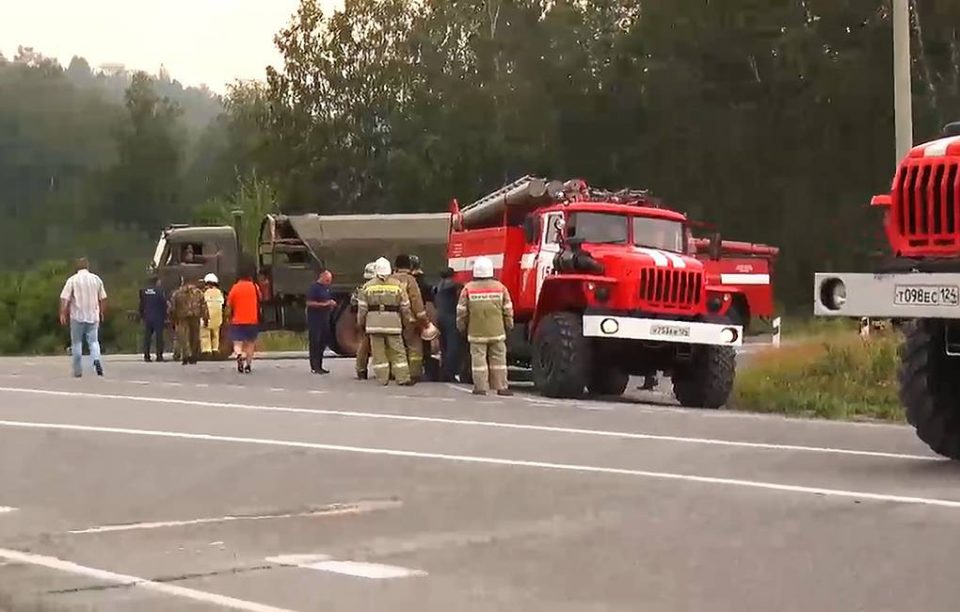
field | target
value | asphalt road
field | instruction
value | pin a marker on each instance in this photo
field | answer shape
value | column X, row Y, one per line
column 163, row 487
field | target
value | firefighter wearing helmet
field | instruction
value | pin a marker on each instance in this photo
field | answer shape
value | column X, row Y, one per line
column 485, row 313
column 402, row 271
column 382, row 310
column 363, row 347
column 210, row 329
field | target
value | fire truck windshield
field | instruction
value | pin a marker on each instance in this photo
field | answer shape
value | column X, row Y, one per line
column 661, row 234
column 598, row 228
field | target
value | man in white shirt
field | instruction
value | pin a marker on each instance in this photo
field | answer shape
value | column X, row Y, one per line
column 83, row 303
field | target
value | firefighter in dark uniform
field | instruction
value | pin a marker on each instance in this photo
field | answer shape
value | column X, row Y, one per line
column 153, row 314
column 446, row 293
column 431, row 366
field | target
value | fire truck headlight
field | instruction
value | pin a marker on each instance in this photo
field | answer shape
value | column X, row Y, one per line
column 609, row 326
column 602, row 293
column 729, row 335
column 833, row 294
column 714, row 304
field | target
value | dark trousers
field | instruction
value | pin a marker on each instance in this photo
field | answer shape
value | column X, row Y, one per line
column 318, row 339
column 450, row 349
column 152, row 330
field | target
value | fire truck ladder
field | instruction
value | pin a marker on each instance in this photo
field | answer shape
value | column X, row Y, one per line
column 504, row 192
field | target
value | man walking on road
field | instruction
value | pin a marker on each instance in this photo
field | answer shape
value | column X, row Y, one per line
column 485, row 312
column 153, row 314
column 83, row 303
column 320, row 305
column 187, row 310
column 382, row 310
column 412, row 328
column 363, row 347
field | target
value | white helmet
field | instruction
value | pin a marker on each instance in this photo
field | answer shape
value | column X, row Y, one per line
column 369, row 271
column 482, row 268
column 382, row 267
column 211, row 278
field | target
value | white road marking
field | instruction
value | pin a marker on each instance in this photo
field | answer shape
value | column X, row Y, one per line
column 358, row 508
column 202, row 385
column 317, row 392
column 6, row 509
column 277, row 389
column 568, row 467
column 135, row 582
column 324, row 563
column 139, row 382
column 474, row 423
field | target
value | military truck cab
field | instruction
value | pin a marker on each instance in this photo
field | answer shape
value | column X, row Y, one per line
column 190, row 253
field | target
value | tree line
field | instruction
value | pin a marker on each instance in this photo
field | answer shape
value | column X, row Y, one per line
column 772, row 119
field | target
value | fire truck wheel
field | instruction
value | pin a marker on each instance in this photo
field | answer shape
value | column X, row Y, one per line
column 608, row 380
column 929, row 387
column 707, row 380
column 561, row 356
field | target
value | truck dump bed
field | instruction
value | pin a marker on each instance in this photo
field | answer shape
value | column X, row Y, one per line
column 345, row 243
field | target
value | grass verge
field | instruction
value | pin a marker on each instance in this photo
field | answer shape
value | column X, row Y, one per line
column 832, row 377
column 281, row 341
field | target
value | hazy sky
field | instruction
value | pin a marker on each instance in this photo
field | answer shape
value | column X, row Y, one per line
column 198, row 41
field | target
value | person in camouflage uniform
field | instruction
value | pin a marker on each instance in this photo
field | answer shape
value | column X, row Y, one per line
column 411, row 329
column 382, row 309
column 363, row 348
column 485, row 313
column 187, row 309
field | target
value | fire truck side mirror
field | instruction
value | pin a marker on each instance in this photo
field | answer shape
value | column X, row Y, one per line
column 715, row 246
column 951, row 129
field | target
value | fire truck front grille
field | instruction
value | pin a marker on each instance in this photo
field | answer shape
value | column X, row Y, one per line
column 926, row 202
column 666, row 288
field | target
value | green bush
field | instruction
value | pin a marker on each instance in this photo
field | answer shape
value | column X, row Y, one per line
column 29, row 306
column 839, row 377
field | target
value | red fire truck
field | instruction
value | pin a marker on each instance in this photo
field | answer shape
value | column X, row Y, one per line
column 604, row 286
column 918, row 285
column 748, row 269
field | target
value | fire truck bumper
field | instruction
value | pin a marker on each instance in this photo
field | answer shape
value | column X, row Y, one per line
column 907, row 295
column 660, row 330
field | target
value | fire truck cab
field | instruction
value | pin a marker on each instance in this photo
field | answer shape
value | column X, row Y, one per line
column 604, row 286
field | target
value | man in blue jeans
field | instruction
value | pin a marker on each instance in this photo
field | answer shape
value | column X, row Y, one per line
column 83, row 303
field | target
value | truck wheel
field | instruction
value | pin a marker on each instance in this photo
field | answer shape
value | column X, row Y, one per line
column 707, row 380
column 929, row 387
column 608, row 381
column 561, row 356
column 346, row 339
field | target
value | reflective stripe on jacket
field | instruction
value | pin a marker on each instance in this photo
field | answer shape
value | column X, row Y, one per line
column 383, row 306
column 485, row 311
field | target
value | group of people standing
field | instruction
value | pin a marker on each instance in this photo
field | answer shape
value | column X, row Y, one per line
column 197, row 310
column 396, row 332
column 392, row 319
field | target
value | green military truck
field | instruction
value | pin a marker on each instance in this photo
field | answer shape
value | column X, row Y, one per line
column 291, row 249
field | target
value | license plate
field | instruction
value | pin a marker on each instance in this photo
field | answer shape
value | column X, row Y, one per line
column 675, row 331
column 927, row 295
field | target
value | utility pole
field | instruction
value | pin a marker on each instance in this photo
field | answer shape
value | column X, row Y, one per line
column 902, row 96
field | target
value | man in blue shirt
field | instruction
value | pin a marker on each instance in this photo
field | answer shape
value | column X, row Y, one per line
column 320, row 305
column 153, row 313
